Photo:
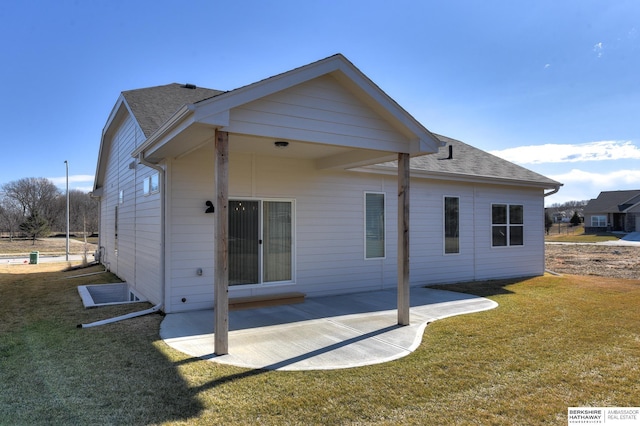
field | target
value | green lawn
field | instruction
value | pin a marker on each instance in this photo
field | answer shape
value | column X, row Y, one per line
column 565, row 233
column 553, row 342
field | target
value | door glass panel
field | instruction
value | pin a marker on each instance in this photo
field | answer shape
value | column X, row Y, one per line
column 277, row 241
column 243, row 242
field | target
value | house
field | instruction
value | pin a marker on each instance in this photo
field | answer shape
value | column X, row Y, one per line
column 303, row 182
column 613, row 211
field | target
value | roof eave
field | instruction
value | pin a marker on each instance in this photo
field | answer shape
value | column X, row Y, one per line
column 462, row 177
column 118, row 110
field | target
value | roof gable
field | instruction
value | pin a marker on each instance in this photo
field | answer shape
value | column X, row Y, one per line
column 215, row 111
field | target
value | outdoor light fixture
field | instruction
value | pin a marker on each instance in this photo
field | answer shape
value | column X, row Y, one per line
column 281, row 144
column 210, row 208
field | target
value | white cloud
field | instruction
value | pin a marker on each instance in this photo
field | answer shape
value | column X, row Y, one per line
column 598, row 48
column 62, row 181
column 584, row 185
column 608, row 181
column 571, row 153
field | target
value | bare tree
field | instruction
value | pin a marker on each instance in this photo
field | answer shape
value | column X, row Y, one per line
column 11, row 216
column 35, row 196
column 83, row 212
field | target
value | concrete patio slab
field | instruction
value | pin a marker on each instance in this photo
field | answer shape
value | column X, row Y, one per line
column 322, row 333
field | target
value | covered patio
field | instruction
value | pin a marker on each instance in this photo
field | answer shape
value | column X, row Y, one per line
column 323, row 333
column 327, row 114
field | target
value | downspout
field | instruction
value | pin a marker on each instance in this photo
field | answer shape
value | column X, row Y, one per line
column 122, row 317
column 159, row 306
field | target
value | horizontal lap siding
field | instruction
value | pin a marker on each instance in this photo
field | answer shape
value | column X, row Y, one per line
column 429, row 264
column 118, row 177
column 148, row 239
column 318, row 111
column 499, row 262
column 190, row 239
column 138, row 244
column 329, row 228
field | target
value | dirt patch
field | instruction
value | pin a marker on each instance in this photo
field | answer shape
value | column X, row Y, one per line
column 598, row 260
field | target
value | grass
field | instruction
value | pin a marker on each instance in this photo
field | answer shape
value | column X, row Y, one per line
column 565, row 233
column 48, row 246
column 553, row 342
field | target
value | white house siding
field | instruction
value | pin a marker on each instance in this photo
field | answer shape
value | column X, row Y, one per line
column 118, row 255
column 137, row 257
column 329, row 228
column 504, row 262
column 148, row 238
column 319, row 110
column 190, row 232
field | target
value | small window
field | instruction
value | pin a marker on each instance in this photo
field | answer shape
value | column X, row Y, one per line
column 451, row 225
column 374, row 226
column 145, row 186
column 507, row 225
column 599, row 221
column 150, row 185
column 121, row 197
column 153, row 185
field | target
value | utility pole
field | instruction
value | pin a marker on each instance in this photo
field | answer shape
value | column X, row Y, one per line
column 67, row 245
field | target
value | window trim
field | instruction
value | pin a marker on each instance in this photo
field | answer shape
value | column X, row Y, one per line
column 508, row 225
column 444, row 224
column 148, row 186
column 384, row 225
column 598, row 225
column 294, row 268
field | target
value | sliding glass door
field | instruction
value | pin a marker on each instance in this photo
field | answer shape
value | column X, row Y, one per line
column 260, row 241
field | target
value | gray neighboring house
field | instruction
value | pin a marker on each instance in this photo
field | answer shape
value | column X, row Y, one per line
column 613, row 211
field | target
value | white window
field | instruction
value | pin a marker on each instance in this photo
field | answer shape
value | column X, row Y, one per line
column 153, row 184
column 150, row 185
column 374, row 225
column 121, row 197
column 599, row 221
column 451, row 225
column 507, row 225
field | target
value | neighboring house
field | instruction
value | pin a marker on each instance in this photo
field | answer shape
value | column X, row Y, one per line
column 313, row 186
column 613, row 211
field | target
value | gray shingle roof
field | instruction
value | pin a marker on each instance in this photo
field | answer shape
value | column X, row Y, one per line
column 470, row 162
column 613, row 201
column 152, row 106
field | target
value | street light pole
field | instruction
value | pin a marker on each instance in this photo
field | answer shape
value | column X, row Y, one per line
column 67, row 245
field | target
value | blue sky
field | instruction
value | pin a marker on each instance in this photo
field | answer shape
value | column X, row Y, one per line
column 551, row 85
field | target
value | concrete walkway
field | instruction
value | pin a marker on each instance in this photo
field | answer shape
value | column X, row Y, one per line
column 322, row 333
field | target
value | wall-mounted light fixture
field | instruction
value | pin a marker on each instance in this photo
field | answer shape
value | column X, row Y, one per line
column 210, row 208
column 281, row 144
